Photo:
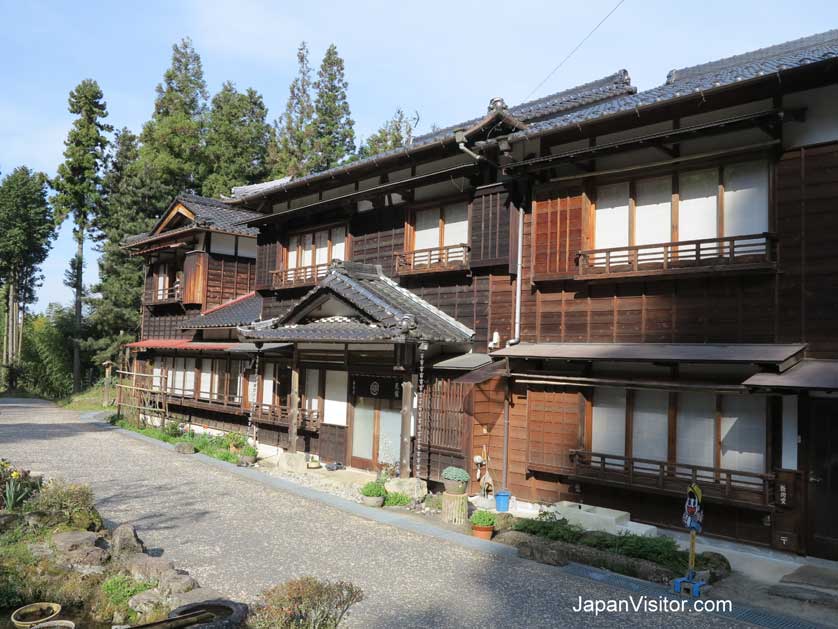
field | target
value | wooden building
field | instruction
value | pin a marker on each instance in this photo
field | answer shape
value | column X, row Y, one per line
column 612, row 293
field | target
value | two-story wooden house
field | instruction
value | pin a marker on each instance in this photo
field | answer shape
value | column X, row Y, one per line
column 608, row 293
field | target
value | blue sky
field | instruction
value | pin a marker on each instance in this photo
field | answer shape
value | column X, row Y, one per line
column 442, row 59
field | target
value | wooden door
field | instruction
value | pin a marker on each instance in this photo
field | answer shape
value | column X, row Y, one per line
column 376, row 433
column 823, row 479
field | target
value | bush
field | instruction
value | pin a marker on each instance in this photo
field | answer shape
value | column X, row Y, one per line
column 455, row 473
column 433, row 502
column 554, row 529
column 373, row 489
column 120, row 588
column 74, row 502
column 482, row 518
column 172, row 429
column 249, row 450
column 16, row 485
column 234, row 440
column 397, row 499
column 305, row 603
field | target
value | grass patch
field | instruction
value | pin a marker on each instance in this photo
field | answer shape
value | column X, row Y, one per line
column 397, row 499
column 87, row 400
column 119, row 589
column 214, row 446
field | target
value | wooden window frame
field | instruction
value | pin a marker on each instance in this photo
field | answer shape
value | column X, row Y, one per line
column 299, row 234
column 410, row 222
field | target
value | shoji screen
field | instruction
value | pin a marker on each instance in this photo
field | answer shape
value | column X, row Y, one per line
column 653, row 212
column 334, row 404
column 743, row 433
column 612, row 216
column 695, row 428
column 608, row 431
column 268, row 384
column 650, row 423
column 697, row 205
column 427, row 229
column 746, row 198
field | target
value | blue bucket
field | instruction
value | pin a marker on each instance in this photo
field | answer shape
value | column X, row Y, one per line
column 502, row 501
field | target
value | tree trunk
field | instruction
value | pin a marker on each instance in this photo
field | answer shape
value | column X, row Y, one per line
column 78, row 290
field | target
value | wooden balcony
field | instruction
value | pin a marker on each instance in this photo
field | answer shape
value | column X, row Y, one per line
column 169, row 295
column 436, row 259
column 300, row 276
column 231, row 404
column 752, row 252
column 271, row 415
column 734, row 487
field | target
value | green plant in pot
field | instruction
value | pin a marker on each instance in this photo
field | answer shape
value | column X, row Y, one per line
column 455, row 480
column 373, row 494
column 482, row 524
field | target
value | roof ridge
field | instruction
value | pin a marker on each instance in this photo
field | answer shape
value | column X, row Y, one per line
column 760, row 53
column 619, row 78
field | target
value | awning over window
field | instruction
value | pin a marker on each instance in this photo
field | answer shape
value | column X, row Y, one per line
column 778, row 356
column 484, row 373
column 463, row 362
column 811, row 374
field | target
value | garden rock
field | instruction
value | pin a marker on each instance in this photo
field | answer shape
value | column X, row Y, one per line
column 87, row 556
column 125, row 540
column 37, row 519
column 504, row 521
column 9, row 521
column 198, row 595
column 145, row 568
column 184, row 447
column 413, row 487
column 174, row 582
column 147, row 601
column 73, row 540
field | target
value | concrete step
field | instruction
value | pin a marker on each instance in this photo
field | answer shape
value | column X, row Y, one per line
column 814, row 576
column 810, row 595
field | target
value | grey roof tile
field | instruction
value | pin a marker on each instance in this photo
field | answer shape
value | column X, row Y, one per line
column 240, row 311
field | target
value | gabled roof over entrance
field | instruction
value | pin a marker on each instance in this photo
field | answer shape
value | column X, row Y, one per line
column 239, row 311
column 358, row 303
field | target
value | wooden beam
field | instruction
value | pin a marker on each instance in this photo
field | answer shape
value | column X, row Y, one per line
column 294, row 403
column 407, row 411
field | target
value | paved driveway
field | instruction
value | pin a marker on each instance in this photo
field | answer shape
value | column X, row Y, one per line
column 238, row 536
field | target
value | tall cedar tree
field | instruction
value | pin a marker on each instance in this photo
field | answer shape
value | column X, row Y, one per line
column 334, row 133
column 236, row 141
column 128, row 208
column 28, row 232
column 172, row 141
column 395, row 133
column 78, row 187
column 291, row 153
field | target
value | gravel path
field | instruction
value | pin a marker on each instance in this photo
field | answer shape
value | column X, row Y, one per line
column 238, row 536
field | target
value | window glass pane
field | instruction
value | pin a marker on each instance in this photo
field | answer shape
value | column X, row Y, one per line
column 157, row 373
column 743, row 433
column 697, row 205
column 427, row 229
column 746, row 198
column 334, row 406
column 206, row 379
column 305, row 255
column 609, row 421
column 235, row 378
column 789, row 451
column 189, row 376
column 650, row 423
column 293, row 243
column 456, row 224
column 363, row 422
column 312, row 388
column 389, row 434
column 612, row 216
column 321, row 242
column 268, row 384
column 695, row 429
column 217, row 380
column 653, row 213
column 338, row 243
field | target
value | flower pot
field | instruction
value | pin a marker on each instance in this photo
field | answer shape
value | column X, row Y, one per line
column 34, row 614
column 455, row 486
column 373, row 501
column 483, row 532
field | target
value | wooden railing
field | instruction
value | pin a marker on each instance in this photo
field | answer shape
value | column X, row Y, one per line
column 751, row 251
column 299, row 276
column 444, row 416
column 452, row 257
column 219, row 402
column 309, row 420
column 165, row 295
column 719, row 484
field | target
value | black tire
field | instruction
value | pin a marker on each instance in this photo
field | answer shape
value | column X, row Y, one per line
column 238, row 613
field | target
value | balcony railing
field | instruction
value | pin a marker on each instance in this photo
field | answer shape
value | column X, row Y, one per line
column 167, row 295
column 717, row 484
column 730, row 253
column 449, row 258
column 299, row 276
column 309, row 420
column 216, row 401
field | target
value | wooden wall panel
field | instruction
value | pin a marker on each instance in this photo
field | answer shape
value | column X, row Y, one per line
column 557, row 232
column 333, row 443
column 490, row 228
column 164, row 322
column 267, row 250
column 194, row 277
column 228, row 277
column 377, row 236
column 553, row 422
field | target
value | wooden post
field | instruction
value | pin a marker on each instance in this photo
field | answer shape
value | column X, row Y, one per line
column 454, row 508
column 108, row 370
column 294, row 403
column 407, row 411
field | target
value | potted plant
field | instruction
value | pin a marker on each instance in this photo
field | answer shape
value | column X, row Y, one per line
column 455, row 479
column 482, row 524
column 373, row 493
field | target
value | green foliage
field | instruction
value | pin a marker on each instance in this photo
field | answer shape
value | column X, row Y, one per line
column 397, row 499
column 305, row 603
column 291, row 151
column 433, row 502
column 334, row 133
column 14, row 493
column 46, row 358
column 395, row 133
column 74, row 502
column 16, row 485
column 216, row 447
column 235, row 440
column 558, row 530
column 172, row 429
column 249, row 450
column 456, row 474
column 373, row 489
column 236, row 141
column 119, row 588
column 482, row 518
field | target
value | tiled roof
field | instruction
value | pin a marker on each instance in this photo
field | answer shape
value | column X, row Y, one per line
column 708, row 76
column 379, row 299
column 181, row 344
column 240, row 311
column 604, row 88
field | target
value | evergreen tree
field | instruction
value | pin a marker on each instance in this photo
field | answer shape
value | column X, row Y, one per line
column 128, row 208
column 236, row 141
column 396, row 132
column 28, row 231
column 290, row 153
column 334, row 134
column 172, row 141
column 78, row 186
